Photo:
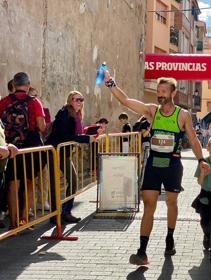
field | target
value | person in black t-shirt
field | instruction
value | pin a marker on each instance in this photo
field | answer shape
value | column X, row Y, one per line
column 126, row 127
column 143, row 126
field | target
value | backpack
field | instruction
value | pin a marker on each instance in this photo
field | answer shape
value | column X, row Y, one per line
column 15, row 120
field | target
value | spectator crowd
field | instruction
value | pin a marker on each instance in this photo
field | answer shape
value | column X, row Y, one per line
column 203, row 132
column 25, row 123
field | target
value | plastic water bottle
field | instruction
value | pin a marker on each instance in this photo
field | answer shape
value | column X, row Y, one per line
column 100, row 74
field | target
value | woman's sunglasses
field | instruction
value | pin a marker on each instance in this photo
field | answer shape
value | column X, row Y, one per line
column 81, row 99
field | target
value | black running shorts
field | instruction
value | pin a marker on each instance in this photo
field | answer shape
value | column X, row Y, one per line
column 170, row 177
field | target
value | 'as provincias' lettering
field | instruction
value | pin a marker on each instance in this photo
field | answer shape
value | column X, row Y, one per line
column 175, row 66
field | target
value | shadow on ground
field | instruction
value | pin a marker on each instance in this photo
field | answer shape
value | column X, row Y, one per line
column 202, row 272
column 166, row 272
column 167, row 269
column 138, row 274
column 91, row 223
column 18, row 252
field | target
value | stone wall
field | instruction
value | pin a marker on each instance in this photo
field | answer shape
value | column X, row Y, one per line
column 60, row 43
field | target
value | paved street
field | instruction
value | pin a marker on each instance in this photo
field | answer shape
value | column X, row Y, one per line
column 104, row 245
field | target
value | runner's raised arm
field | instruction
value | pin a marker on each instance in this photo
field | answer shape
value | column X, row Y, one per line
column 137, row 106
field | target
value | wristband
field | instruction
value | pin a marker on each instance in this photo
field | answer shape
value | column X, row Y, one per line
column 110, row 83
column 200, row 160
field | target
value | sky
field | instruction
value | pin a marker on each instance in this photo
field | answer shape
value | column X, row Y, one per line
column 205, row 14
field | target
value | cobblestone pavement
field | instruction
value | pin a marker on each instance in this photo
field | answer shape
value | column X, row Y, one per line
column 104, row 245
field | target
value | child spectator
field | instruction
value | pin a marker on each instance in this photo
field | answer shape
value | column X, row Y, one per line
column 126, row 127
column 104, row 123
column 202, row 203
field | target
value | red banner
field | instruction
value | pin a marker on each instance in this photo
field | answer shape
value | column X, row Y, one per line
column 178, row 66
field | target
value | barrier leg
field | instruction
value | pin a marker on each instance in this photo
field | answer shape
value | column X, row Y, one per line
column 59, row 235
column 55, row 182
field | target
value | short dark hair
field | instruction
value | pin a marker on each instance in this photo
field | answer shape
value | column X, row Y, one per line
column 102, row 120
column 170, row 81
column 21, row 79
column 10, row 86
column 123, row 116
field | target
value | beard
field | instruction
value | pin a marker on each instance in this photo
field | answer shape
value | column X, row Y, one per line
column 164, row 100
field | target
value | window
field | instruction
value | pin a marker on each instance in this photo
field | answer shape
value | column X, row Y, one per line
column 199, row 46
column 196, row 101
column 161, row 14
column 209, row 106
column 174, row 36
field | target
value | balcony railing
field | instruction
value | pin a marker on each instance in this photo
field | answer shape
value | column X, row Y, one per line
column 174, row 36
column 160, row 18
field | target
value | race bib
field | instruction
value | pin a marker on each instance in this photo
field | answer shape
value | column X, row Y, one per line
column 162, row 143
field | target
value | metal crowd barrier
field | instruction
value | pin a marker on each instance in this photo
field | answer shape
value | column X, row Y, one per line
column 71, row 164
column 113, row 143
column 121, row 143
column 26, row 163
column 72, row 159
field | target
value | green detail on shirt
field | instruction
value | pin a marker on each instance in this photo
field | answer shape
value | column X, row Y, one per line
column 206, row 185
column 166, row 123
column 204, row 200
column 160, row 162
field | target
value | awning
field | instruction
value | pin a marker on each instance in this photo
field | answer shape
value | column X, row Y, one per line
column 178, row 66
column 206, row 118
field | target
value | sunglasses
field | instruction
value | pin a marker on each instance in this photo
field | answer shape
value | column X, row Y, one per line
column 79, row 99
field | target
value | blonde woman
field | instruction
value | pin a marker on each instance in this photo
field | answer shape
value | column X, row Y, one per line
column 67, row 126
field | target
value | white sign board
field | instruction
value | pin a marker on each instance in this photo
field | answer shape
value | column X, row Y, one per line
column 118, row 182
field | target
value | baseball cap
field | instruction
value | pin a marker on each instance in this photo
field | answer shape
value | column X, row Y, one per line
column 21, row 79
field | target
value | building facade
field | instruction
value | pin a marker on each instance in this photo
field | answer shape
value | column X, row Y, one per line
column 61, row 43
column 172, row 28
column 206, row 85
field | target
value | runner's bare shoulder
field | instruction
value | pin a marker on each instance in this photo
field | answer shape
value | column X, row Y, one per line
column 152, row 109
column 183, row 117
